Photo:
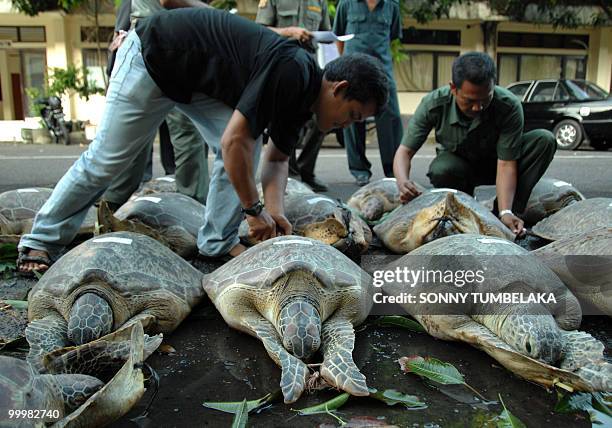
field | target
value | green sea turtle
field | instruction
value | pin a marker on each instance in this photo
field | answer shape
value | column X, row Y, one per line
column 70, row 398
column 375, row 199
column 547, row 197
column 297, row 295
column 106, row 282
column 293, row 187
column 576, row 219
column 434, row 214
column 584, row 264
column 19, row 207
column 171, row 218
column 324, row 219
column 165, row 184
column 515, row 309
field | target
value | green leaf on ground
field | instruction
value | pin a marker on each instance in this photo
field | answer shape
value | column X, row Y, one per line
column 435, row 370
column 399, row 321
column 331, row 405
column 507, row 419
column 17, row 304
column 8, row 257
column 234, row 406
column 597, row 405
column 432, row 369
column 242, row 416
column 392, row 397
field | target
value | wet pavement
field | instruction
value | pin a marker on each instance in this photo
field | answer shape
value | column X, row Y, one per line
column 215, row 363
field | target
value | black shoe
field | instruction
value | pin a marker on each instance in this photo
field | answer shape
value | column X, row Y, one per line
column 316, row 185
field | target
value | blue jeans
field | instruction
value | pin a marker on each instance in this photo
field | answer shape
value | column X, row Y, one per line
column 135, row 107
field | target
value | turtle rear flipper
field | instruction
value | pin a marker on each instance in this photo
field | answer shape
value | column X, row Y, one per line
column 75, row 389
column 107, row 223
column 45, row 335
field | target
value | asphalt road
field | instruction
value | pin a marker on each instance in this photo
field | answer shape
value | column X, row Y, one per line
column 43, row 165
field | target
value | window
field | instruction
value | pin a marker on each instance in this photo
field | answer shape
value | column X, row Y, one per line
column 519, row 89
column 33, row 67
column 423, row 71
column 543, row 92
column 542, row 40
column 591, row 90
column 412, row 36
column 515, row 67
column 88, row 34
column 95, row 68
column 23, row 34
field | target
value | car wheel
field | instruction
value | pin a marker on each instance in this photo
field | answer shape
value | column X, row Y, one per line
column 601, row 144
column 568, row 134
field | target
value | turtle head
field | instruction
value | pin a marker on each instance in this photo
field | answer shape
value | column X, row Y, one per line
column 536, row 336
column 300, row 327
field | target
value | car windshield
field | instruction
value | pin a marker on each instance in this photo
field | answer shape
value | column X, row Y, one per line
column 583, row 90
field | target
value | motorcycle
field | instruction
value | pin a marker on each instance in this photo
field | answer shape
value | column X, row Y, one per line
column 53, row 117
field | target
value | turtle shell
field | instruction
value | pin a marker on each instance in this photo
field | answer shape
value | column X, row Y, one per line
column 132, row 272
column 173, row 214
column 549, row 196
column 22, row 389
column 260, row 266
column 575, row 219
column 20, row 206
column 293, row 187
column 165, row 184
column 377, row 198
column 434, row 214
column 584, row 264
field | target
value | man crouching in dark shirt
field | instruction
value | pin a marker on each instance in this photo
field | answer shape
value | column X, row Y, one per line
column 233, row 78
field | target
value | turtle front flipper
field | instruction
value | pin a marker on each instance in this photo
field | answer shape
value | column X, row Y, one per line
column 45, row 335
column 75, row 389
column 294, row 371
column 338, row 368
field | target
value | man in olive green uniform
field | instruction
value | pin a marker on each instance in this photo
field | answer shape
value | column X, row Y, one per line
column 375, row 23
column 190, row 151
column 296, row 19
column 479, row 128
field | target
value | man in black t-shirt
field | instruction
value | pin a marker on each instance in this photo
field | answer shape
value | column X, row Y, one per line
column 233, row 78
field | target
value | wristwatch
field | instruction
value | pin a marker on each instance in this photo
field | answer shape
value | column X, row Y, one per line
column 254, row 210
column 504, row 212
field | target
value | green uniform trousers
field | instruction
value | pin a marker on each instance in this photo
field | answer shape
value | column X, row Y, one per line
column 537, row 152
column 190, row 153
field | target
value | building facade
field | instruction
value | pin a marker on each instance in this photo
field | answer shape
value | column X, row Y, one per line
column 30, row 46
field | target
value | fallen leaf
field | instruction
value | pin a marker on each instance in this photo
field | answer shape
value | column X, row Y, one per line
column 242, row 416
column 166, row 349
column 392, row 397
column 330, row 405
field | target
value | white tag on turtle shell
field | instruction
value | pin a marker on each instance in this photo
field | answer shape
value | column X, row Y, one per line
column 389, row 179
column 27, row 190
column 293, row 241
column 149, row 199
column 443, row 189
column 493, row 241
column 169, row 179
column 318, row 199
column 125, row 241
column 560, row 183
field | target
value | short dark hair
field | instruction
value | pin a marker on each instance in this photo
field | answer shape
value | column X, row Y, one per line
column 366, row 76
column 475, row 67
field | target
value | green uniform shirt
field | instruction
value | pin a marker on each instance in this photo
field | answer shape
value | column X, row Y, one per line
column 373, row 30
column 309, row 14
column 495, row 134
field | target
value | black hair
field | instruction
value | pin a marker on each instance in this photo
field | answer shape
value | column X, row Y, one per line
column 366, row 77
column 475, row 67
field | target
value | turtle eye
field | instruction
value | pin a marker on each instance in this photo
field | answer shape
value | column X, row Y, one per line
column 528, row 347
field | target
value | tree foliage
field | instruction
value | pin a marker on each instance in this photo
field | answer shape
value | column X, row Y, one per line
column 559, row 13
